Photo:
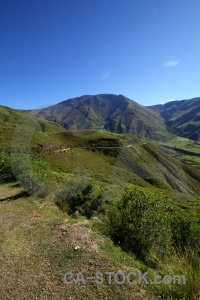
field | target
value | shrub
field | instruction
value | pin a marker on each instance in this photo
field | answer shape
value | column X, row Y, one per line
column 79, row 195
column 73, row 193
column 139, row 224
column 93, row 205
column 5, row 165
column 32, row 172
column 185, row 232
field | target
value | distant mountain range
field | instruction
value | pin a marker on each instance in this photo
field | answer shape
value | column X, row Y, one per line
column 115, row 113
column 181, row 117
column 119, row 114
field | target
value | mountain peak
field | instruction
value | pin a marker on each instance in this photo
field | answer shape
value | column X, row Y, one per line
column 111, row 112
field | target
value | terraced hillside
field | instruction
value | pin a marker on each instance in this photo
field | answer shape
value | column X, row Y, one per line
column 137, row 160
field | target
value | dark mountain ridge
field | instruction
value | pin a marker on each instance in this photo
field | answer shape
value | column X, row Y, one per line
column 114, row 113
column 181, row 117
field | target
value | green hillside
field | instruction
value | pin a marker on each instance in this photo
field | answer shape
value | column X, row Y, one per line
column 86, row 191
column 12, row 116
column 123, row 159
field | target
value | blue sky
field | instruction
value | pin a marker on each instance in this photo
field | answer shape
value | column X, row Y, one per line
column 146, row 50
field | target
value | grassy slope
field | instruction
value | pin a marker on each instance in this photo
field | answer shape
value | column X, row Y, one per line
column 143, row 164
column 13, row 135
column 38, row 240
column 14, row 117
column 183, row 149
column 37, row 249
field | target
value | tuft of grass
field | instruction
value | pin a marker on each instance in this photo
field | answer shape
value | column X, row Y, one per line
column 185, row 263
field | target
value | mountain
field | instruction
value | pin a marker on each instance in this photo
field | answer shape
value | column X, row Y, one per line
column 114, row 113
column 181, row 117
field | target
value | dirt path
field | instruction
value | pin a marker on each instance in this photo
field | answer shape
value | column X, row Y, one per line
column 67, row 149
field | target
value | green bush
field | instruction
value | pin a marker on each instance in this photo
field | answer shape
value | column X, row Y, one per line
column 93, row 205
column 5, row 165
column 79, row 195
column 32, row 173
column 138, row 224
column 70, row 193
column 185, row 232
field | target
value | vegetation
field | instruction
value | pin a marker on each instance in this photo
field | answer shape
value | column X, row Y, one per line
column 185, row 263
column 12, row 116
column 126, row 197
column 141, row 224
column 5, row 166
column 138, row 224
column 168, row 241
